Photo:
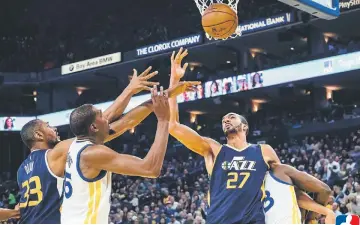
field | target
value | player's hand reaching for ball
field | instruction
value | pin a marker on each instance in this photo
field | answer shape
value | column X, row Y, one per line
column 178, row 71
column 140, row 82
column 181, row 87
column 160, row 104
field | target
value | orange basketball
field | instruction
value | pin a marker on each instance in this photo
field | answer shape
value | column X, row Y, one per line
column 219, row 20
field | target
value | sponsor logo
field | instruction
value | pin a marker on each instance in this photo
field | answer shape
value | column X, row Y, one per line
column 91, row 63
column 347, row 220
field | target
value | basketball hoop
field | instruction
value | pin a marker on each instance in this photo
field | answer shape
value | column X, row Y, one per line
column 202, row 5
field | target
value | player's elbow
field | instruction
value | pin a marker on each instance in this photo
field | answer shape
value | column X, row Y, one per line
column 152, row 173
column 155, row 174
column 326, row 189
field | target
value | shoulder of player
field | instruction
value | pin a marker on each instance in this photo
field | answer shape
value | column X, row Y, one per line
column 267, row 150
column 97, row 153
column 60, row 150
column 62, row 145
column 269, row 154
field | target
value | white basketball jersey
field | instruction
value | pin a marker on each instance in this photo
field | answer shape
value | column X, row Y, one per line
column 86, row 201
column 280, row 203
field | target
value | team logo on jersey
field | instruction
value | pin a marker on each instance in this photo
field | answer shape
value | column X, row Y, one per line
column 347, row 220
column 239, row 164
column 69, row 160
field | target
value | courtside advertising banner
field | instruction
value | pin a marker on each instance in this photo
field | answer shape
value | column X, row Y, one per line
column 349, row 4
column 218, row 87
column 170, row 45
column 267, row 23
column 276, row 76
column 91, row 63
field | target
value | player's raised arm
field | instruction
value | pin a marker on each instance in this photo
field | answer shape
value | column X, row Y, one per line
column 6, row 214
column 57, row 155
column 306, row 202
column 139, row 113
column 137, row 84
column 187, row 136
column 308, row 183
column 103, row 158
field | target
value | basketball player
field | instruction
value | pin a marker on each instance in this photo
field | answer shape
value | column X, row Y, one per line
column 40, row 175
column 237, row 169
column 6, row 214
column 283, row 199
column 50, row 164
column 90, row 163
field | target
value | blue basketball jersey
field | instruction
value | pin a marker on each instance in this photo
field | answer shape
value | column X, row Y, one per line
column 40, row 189
column 237, row 186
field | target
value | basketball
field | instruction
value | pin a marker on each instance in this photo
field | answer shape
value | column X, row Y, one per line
column 219, row 20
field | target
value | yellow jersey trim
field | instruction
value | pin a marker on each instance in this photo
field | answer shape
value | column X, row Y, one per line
column 262, row 154
column 94, row 202
column 295, row 210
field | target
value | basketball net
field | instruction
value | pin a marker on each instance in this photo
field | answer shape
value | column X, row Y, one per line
column 202, row 5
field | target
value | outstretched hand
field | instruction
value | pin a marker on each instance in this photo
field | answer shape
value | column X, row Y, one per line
column 160, row 104
column 178, row 71
column 141, row 83
column 181, row 87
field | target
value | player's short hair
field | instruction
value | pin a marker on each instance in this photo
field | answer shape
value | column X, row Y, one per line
column 244, row 121
column 27, row 133
column 81, row 118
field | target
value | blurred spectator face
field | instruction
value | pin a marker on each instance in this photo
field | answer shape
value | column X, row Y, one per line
column 348, row 186
column 125, row 210
column 146, row 209
column 146, row 220
column 337, row 189
column 129, row 216
column 162, row 221
column 335, row 206
column 118, row 217
column 198, row 220
column 189, row 216
column 322, row 220
column 183, row 214
column 152, row 205
column 357, row 188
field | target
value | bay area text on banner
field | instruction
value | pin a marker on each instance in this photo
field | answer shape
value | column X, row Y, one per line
column 166, row 46
column 91, row 63
column 266, row 23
